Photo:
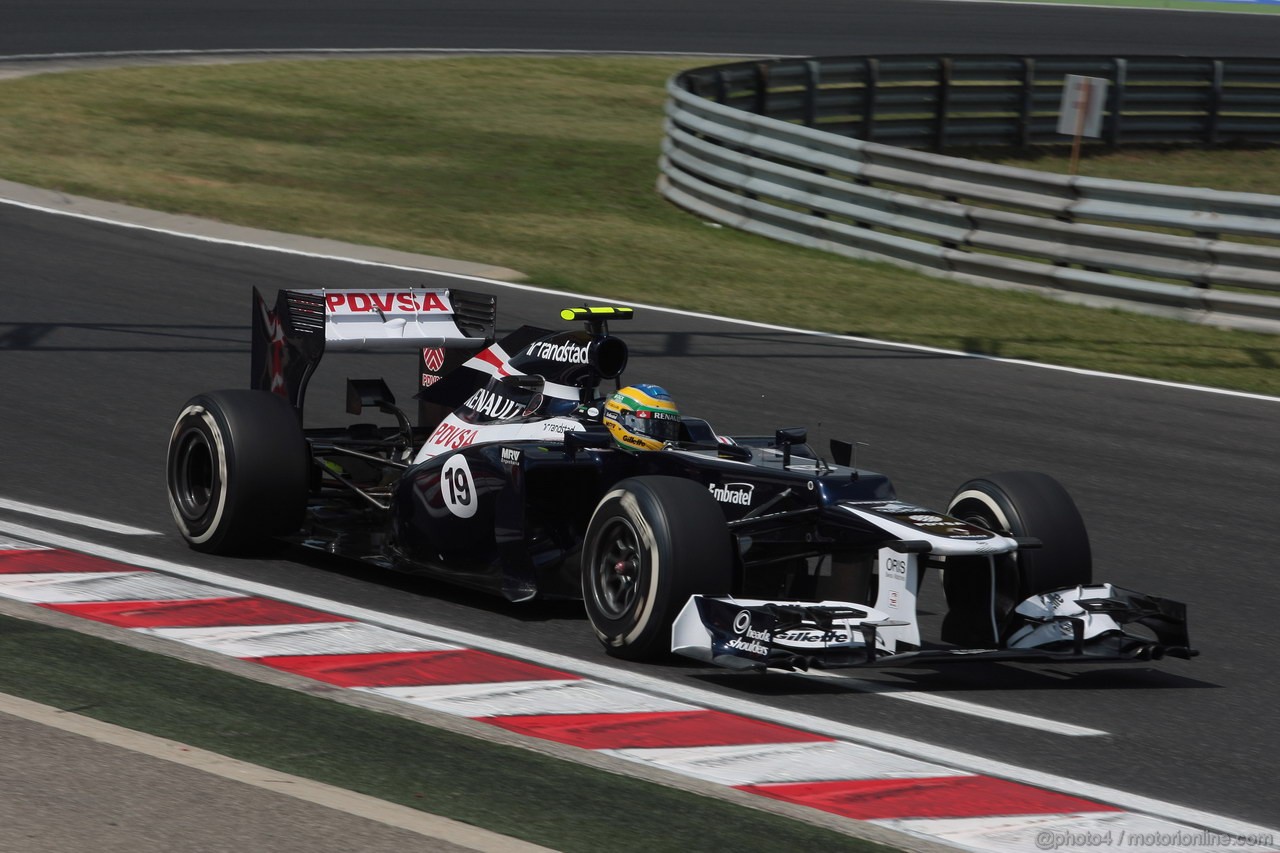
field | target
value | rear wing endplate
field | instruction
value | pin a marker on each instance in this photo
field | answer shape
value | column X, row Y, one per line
column 290, row 339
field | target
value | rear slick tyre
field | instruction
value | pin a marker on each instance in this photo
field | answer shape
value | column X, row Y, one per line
column 237, row 470
column 652, row 542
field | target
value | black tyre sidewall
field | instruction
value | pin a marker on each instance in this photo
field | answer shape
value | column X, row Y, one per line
column 259, row 469
column 685, row 550
column 1035, row 505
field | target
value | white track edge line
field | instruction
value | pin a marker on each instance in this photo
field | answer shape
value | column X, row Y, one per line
column 699, row 315
column 946, row 703
column 74, row 518
column 868, row 737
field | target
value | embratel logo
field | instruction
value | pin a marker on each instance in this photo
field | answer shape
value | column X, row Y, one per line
column 565, row 353
column 737, row 494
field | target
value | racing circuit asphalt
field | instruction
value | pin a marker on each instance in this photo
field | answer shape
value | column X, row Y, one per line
column 107, row 331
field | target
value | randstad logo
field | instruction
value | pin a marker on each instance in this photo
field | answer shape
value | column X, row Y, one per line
column 565, row 353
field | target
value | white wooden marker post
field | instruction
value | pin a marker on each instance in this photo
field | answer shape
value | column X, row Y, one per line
column 1080, row 114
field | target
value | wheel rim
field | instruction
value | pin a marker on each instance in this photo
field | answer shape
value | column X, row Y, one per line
column 192, row 478
column 616, row 570
column 976, row 513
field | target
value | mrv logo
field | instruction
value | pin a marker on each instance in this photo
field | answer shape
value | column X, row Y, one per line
column 565, row 353
column 493, row 405
column 738, row 494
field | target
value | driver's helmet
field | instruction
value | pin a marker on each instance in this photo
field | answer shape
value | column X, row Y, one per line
column 642, row 417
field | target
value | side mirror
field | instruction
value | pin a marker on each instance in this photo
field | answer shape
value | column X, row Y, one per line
column 791, row 435
column 696, row 431
column 842, row 452
column 592, row 436
column 784, row 438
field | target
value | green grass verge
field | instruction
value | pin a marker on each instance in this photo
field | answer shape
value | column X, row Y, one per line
column 508, row 790
column 545, row 165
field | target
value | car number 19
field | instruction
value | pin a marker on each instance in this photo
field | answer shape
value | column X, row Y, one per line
column 458, row 487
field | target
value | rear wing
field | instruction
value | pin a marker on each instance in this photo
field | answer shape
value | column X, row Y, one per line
column 290, row 339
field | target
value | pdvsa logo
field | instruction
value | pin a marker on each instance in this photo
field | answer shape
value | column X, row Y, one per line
column 452, row 437
column 384, row 302
column 735, row 494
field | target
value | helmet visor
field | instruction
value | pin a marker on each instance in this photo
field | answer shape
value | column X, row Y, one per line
column 661, row 426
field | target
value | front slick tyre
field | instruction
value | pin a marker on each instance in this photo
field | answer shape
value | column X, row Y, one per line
column 1014, row 503
column 236, row 470
column 652, row 543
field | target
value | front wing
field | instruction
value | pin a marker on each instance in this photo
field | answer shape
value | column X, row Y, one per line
column 1092, row 624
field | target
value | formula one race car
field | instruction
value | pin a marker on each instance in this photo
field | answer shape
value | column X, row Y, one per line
column 523, row 478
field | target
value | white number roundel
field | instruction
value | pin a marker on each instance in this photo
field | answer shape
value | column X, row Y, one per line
column 458, row 487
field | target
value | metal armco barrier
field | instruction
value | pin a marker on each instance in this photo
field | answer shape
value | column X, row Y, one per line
column 767, row 147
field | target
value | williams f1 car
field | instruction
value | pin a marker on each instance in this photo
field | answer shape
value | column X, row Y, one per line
column 750, row 552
